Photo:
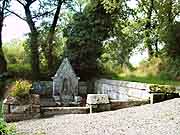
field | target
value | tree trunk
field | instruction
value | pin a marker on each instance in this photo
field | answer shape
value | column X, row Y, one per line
column 34, row 46
column 3, row 63
column 170, row 15
column 35, row 56
column 156, row 47
column 51, row 37
column 148, row 28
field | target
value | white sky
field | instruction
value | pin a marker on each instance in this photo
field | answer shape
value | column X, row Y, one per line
column 14, row 28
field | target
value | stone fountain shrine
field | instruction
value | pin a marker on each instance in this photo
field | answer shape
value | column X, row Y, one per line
column 65, row 84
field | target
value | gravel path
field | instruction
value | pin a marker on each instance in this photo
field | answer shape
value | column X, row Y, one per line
column 157, row 119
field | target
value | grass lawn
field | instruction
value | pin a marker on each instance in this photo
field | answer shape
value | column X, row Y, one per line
column 146, row 79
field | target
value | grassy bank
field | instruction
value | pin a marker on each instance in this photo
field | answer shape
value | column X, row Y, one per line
column 146, row 79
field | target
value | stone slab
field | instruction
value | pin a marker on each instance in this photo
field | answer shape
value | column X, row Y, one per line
column 50, row 111
column 19, row 109
column 97, row 99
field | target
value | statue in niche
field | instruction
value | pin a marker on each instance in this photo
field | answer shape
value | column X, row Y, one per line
column 66, row 92
column 65, row 88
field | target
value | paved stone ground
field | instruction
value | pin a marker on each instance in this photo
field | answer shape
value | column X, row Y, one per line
column 157, row 119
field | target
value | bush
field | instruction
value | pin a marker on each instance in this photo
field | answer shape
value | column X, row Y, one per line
column 163, row 68
column 15, row 52
column 21, row 89
column 171, row 68
column 20, row 70
column 4, row 129
column 162, row 88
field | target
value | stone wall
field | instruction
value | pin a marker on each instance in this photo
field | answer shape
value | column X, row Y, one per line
column 83, row 88
column 125, row 90
column 122, row 90
column 15, row 110
column 43, row 88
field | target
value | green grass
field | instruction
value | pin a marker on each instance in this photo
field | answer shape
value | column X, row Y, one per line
column 146, row 79
column 20, row 70
column 19, row 67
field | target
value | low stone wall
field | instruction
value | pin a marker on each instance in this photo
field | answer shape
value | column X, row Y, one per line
column 116, row 104
column 17, row 111
column 134, row 91
column 43, row 88
column 159, row 97
column 122, row 90
column 50, row 111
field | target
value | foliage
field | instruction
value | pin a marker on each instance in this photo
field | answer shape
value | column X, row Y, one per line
column 57, row 49
column 171, row 68
column 99, row 37
column 125, row 36
column 164, row 67
column 21, row 89
column 162, row 88
column 4, row 128
column 4, row 4
column 171, row 38
column 85, row 35
column 150, row 67
column 16, row 52
column 20, row 71
column 155, row 71
column 96, row 36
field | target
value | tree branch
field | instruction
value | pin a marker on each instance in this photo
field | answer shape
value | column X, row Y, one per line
column 16, row 14
column 20, row 3
column 39, row 15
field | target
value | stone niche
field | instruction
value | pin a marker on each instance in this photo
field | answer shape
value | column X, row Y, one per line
column 65, row 84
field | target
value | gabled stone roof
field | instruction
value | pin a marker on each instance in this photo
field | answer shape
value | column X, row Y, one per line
column 63, row 68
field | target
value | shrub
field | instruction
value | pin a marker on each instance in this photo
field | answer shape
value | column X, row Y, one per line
column 16, row 53
column 21, row 89
column 20, row 70
column 162, row 88
column 4, row 128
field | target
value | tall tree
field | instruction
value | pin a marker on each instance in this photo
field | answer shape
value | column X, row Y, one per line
column 34, row 45
column 86, row 34
column 148, row 27
column 41, row 8
column 51, row 35
column 3, row 13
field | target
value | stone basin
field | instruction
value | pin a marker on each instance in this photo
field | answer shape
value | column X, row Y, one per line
column 93, row 99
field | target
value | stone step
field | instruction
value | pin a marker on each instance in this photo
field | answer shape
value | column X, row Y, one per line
column 47, row 102
column 50, row 111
